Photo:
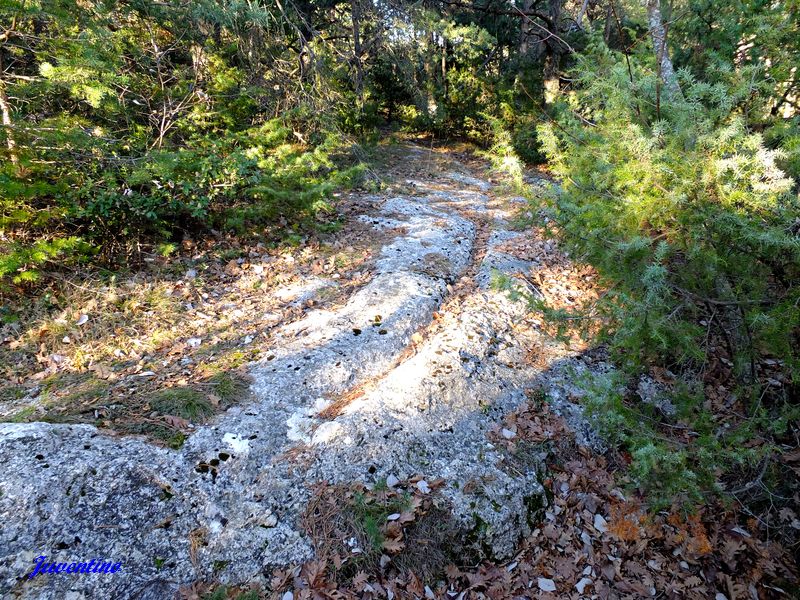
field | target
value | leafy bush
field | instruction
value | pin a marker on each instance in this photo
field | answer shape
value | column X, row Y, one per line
column 687, row 216
column 126, row 129
column 237, row 180
column 671, row 470
column 683, row 213
column 502, row 154
column 19, row 262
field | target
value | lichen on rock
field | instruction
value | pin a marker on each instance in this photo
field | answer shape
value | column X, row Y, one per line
column 232, row 495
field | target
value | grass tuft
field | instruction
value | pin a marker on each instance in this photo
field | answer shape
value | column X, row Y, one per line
column 229, row 387
column 183, row 402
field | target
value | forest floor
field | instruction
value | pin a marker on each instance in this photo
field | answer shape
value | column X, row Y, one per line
column 462, row 410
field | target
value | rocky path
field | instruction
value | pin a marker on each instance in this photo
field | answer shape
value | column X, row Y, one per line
column 406, row 378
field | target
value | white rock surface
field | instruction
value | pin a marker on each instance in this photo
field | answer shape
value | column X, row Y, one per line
column 581, row 585
column 546, row 585
column 73, row 493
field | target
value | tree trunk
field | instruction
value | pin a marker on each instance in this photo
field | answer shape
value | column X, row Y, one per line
column 659, row 34
column 581, row 13
column 5, row 113
column 431, row 106
column 554, row 48
column 199, row 62
column 609, row 24
column 5, row 109
column 355, row 14
column 525, row 30
column 444, row 68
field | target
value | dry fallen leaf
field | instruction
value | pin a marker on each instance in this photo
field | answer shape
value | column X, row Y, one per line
column 392, row 545
column 177, row 422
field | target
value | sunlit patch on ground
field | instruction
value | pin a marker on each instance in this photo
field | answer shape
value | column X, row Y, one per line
column 158, row 351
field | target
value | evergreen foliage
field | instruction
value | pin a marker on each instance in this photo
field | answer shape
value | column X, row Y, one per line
column 130, row 124
column 686, row 214
column 127, row 125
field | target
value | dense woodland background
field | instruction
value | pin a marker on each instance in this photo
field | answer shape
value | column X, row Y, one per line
column 671, row 128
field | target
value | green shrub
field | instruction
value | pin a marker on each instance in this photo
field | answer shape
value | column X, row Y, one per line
column 183, row 402
column 238, row 180
column 682, row 213
column 131, row 125
column 670, row 469
column 693, row 227
column 19, row 262
column 503, row 156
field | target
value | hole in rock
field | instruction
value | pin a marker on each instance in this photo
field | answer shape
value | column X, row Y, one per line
column 356, row 331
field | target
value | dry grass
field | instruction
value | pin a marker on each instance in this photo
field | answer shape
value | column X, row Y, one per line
column 108, row 349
